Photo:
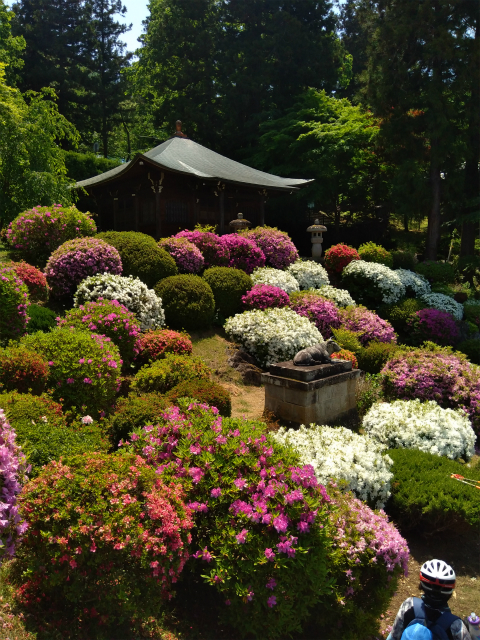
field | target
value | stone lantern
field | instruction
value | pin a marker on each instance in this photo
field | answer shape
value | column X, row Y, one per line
column 316, row 230
column 239, row 223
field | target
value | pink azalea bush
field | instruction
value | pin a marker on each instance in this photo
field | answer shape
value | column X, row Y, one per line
column 257, row 512
column 187, row 256
column 278, row 248
column 14, row 302
column 13, row 472
column 78, row 259
column 265, row 296
column 445, row 377
column 214, row 252
column 34, row 234
column 368, row 324
column 108, row 318
column 245, row 254
column 34, row 279
column 435, row 325
column 322, row 312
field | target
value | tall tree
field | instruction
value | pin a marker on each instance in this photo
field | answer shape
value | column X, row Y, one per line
column 10, row 47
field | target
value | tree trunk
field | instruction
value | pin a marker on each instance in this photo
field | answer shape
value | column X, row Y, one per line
column 405, row 222
column 433, row 231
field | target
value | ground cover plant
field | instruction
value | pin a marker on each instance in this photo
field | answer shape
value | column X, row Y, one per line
column 187, row 300
column 228, row 286
column 14, row 302
column 187, row 256
column 277, row 246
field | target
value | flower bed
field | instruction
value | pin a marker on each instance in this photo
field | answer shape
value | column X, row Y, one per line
column 411, row 424
column 322, row 312
column 444, row 303
column 214, row 252
column 187, row 256
column 14, row 302
column 273, row 335
column 308, row 274
column 245, row 254
column 339, row 256
column 265, row 296
column 432, row 324
column 340, row 297
column 276, row 278
column 279, row 250
column 373, row 283
column 336, row 453
column 368, row 325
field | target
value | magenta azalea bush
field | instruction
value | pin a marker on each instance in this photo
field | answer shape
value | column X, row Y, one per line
column 13, row 474
column 245, row 254
column 78, row 259
column 259, row 537
column 39, row 231
column 448, row 378
column 279, row 250
column 322, row 312
column 368, row 324
column 187, row 256
column 14, row 302
column 265, row 296
column 108, row 318
column 435, row 325
column 214, row 252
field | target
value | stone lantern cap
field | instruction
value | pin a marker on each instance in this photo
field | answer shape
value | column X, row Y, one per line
column 239, row 223
column 319, row 228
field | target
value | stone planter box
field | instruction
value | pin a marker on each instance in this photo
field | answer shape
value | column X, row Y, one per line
column 320, row 394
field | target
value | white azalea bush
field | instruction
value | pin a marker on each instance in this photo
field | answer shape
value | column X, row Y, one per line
column 341, row 297
column 414, row 283
column 276, row 278
column 411, row 424
column 444, row 303
column 336, row 453
column 131, row 292
column 308, row 274
column 273, row 335
column 373, row 283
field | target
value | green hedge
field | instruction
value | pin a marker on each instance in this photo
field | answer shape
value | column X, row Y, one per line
column 437, row 272
column 187, row 300
column 399, row 314
column 163, row 375
column 228, row 286
column 373, row 358
column 205, row 391
column 134, row 412
column 41, row 319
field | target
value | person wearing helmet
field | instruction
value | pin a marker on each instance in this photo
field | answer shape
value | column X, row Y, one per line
column 429, row 617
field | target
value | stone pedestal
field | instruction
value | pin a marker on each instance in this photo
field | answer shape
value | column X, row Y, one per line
column 320, row 394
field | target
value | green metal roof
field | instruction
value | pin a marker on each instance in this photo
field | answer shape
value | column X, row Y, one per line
column 185, row 156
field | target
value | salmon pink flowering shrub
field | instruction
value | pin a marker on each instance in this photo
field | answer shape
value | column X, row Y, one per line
column 13, row 474
column 36, row 233
column 259, row 536
column 265, row 296
column 14, row 302
column 367, row 324
column 245, row 254
column 345, row 354
column 308, row 274
column 106, row 541
column 76, row 260
column 339, row 256
column 322, row 312
column 276, row 278
column 84, row 368
column 215, row 253
column 22, row 370
column 108, row 318
column 154, row 345
column 277, row 246
column 34, row 279
column 432, row 324
column 187, row 256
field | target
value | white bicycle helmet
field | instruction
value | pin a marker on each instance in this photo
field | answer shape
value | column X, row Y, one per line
column 436, row 576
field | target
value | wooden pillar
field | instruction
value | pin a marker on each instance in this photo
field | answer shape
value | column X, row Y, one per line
column 115, row 214
column 158, row 214
column 221, row 209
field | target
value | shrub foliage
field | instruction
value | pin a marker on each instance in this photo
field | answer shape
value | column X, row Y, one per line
column 187, row 300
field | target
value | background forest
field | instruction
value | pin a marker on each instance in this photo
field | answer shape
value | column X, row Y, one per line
column 376, row 100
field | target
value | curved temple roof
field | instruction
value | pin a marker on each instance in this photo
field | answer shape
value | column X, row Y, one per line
column 183, row 155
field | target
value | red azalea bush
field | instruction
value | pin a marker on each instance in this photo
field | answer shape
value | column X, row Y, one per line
column 443, row 376
column 322, row 312
column 78, row 259
column 13, row 304
column 259, row 536
column 265, row 296
column 214, row 252
column 39, row 231
column 23, row 370
column 34, row 279
column 109, row 318
column 187, row 256
column 345, row 354
column 277, row 246
column 435, row 325
column 154, row 345
column 338, row 256
column 106, row 541
column 245, row 254
column 368, row 324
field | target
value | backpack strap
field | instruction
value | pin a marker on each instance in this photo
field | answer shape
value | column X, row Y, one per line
column 443, row 624
column 419, row 609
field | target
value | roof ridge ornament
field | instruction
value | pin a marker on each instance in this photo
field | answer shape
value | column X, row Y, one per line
column 178, row 130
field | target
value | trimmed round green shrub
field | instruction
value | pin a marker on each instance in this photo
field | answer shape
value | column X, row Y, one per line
column 228, row 286
column 42, row 431
column 84, row 368
column 134, row 412
column 41, row 319
column 424, row 495
column 401, row 312
column 22, row 370
column 347, row 339
column 141, row 257
column 373, row 358
column 471, row 348
column 13, row 304
column 204, row 391
column 371, row 252
column 187, row 300
column 436, row 272
column 404, row 260
column 163, row 375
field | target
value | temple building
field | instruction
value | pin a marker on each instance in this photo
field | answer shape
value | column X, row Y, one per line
column 180, row 183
